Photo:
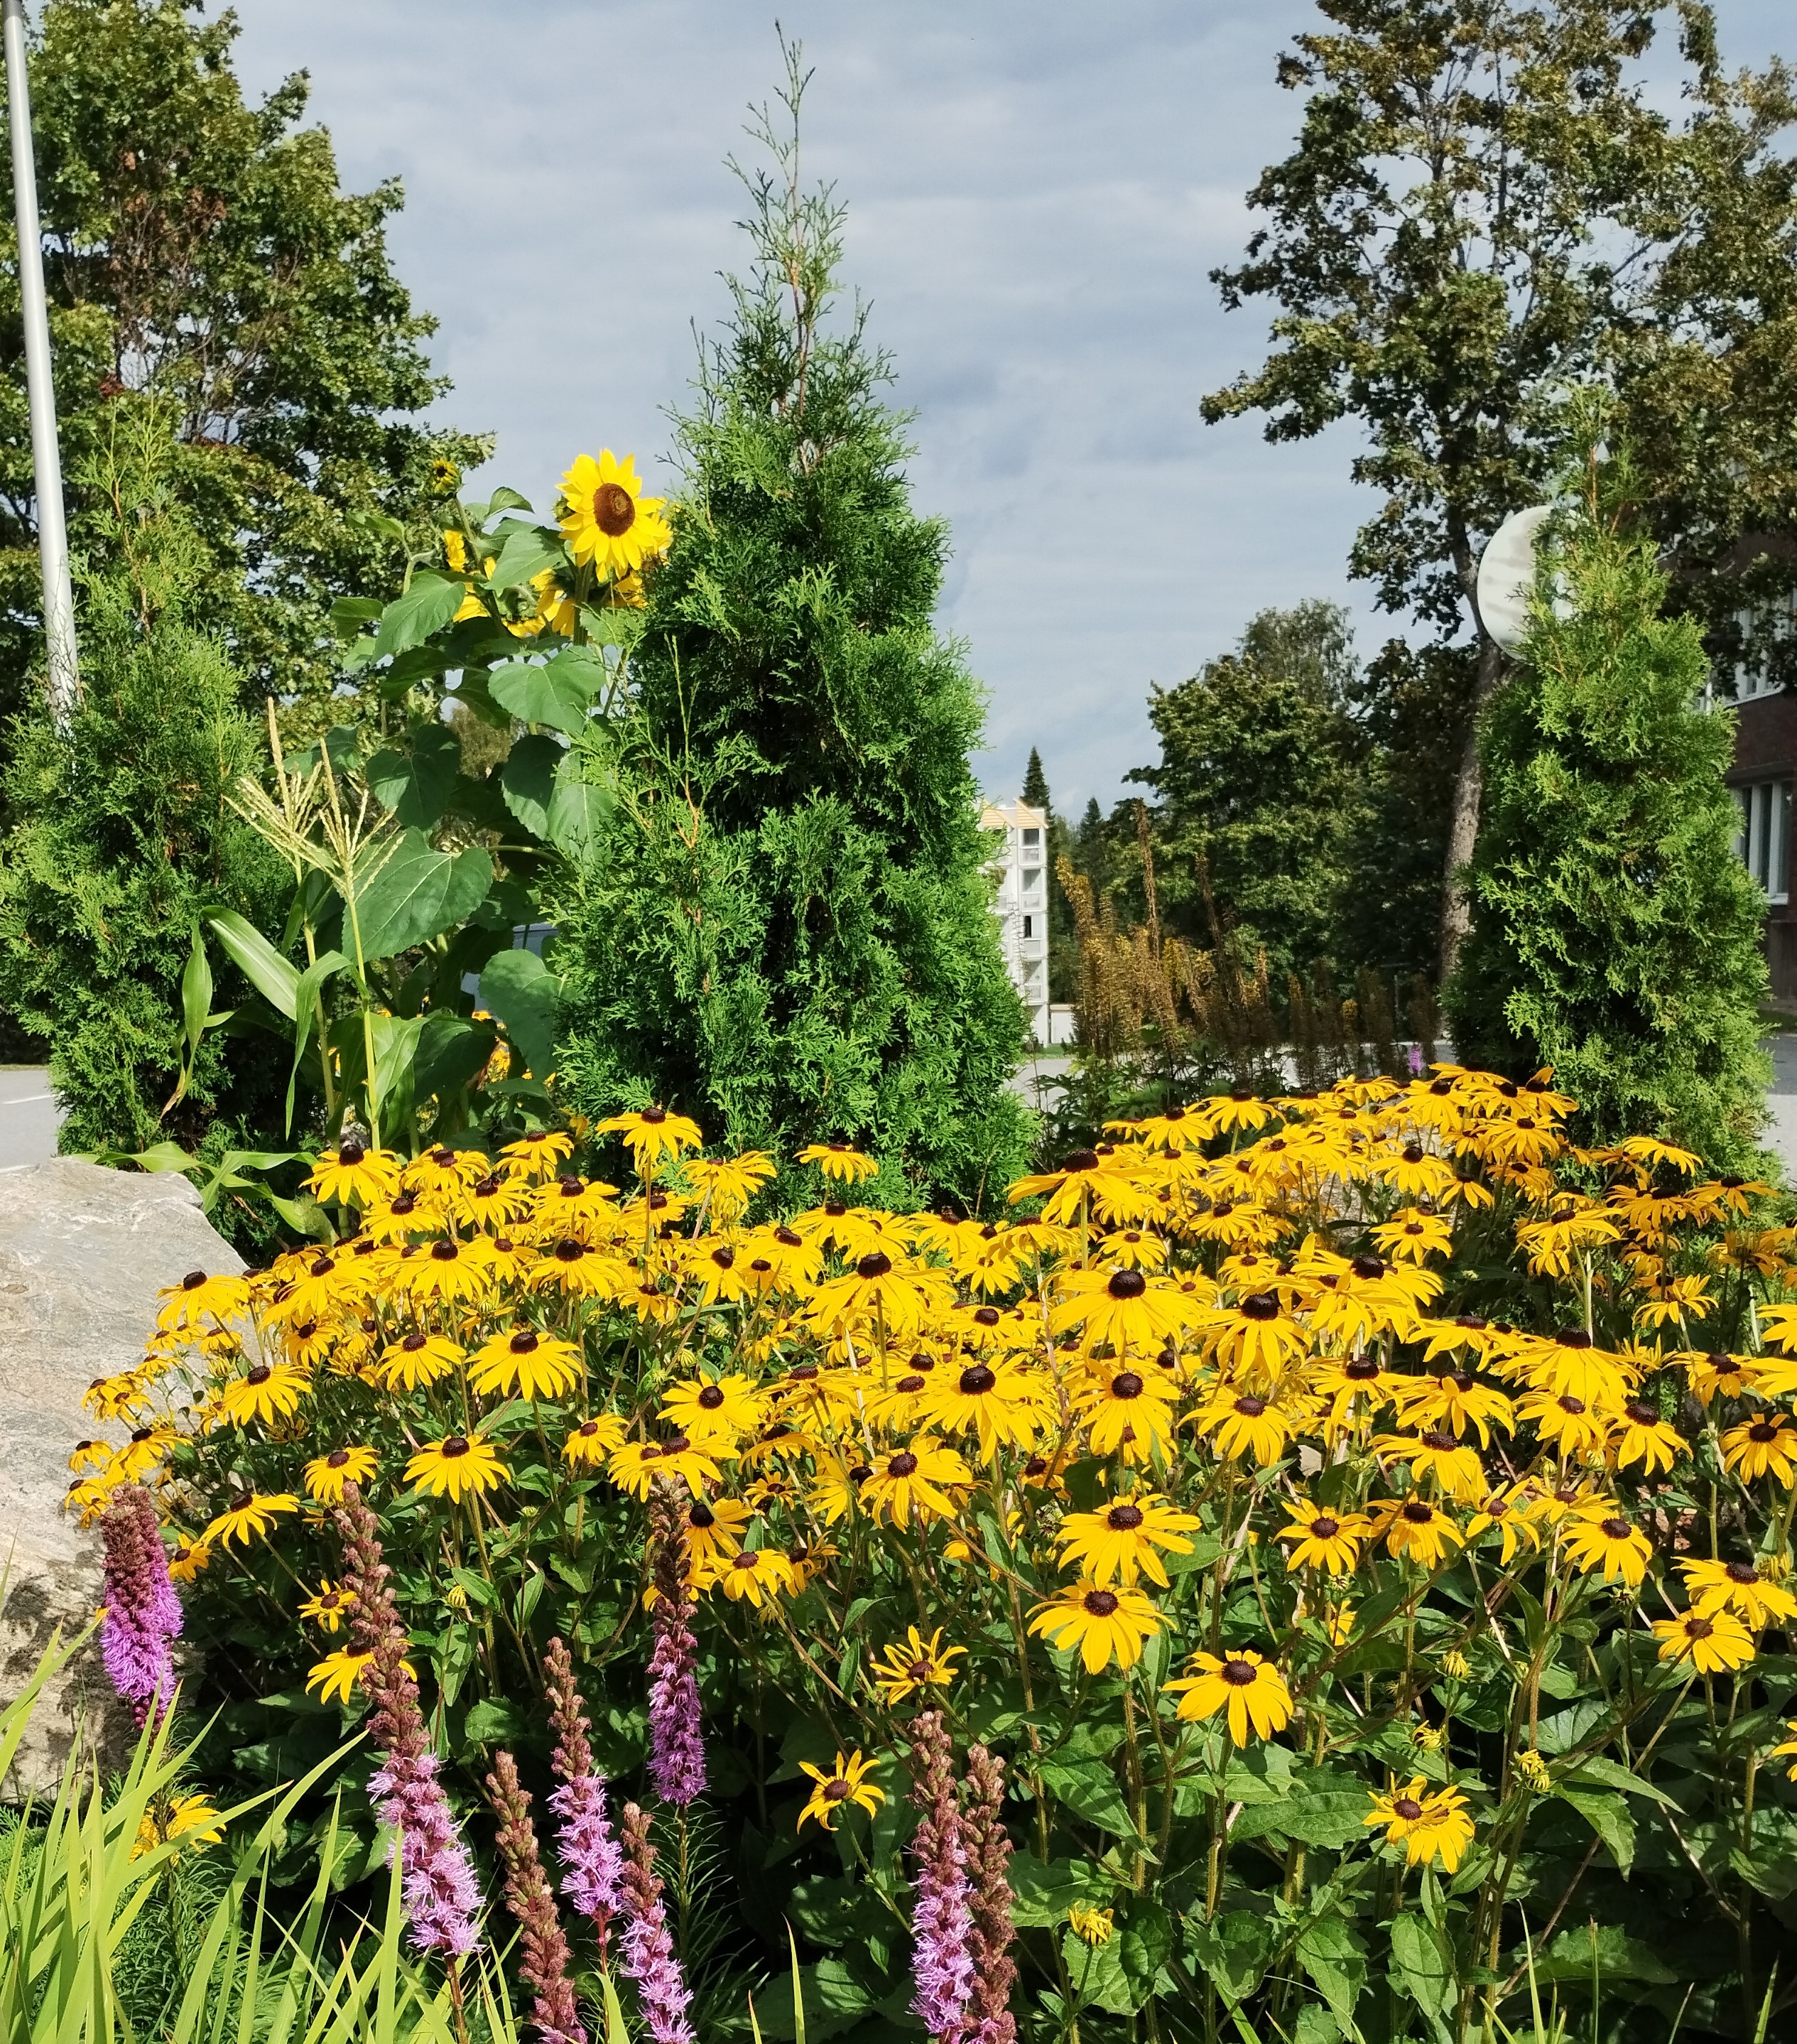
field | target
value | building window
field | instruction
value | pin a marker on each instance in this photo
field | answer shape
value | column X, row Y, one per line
column 1029, row 926
column 1764, row 838
column 1032, row 840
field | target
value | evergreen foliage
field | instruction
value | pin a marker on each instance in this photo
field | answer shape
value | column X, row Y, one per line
column 1615, row 934
column 199, row 247
column 785, row 928
column 120, row 837
column 1035, row 782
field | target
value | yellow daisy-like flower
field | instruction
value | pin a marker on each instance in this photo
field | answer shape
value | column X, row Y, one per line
column 268, row 1391
column 190, row 1817
column 448, row 1269
column 329, row 1605
column 715, row 1412
column 1712, row 1642
column 352, row 1176
column 760, row 1574
column 1092, row 1927
column 1787, row 1749
column 650, row 1134
column 198, row 1297
column 252, row 1519
column 1737, row 1587
column 188, row 1559
column 1323, row 1539
column 914, row 1664
column 595, row 1441
column 417, row 1361
column 1415, row 1530
column 728, row 1184
column 715, row 1528
column 1104, row 1624
column 1119, row 1543
column 460, row 1465
column 845, row 1784
column 1766, row 1444
column 1429, row 1825
column 532, row 1365
column 1252, row 1692
column 606, row 519
column 837, row 1160
column 326, row 1475
column 915, row 1480
column 1600, row 1540
column 335, row 1676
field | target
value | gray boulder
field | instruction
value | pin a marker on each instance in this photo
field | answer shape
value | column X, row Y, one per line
column 83, row 1253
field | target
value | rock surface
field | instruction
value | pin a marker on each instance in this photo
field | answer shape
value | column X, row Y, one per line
column 83, row 1253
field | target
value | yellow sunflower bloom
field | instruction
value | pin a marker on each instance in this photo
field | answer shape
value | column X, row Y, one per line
column 353, row 1176
column 846, row 1784
column 915, row 1479
column 1429, row 1824
column 607, row 520
column 595, row 1441
column 329, row 1605
column 417, row 1361
column 268, row 1391
column 651, row 1134
column 760, row 1574
column 1251, row 1691
column 839, row 1160
column 1761, row 1447
column 1739, row 1588
column 1102, row 1624
column 1321, row 1538
column 460, row 1465
column 167, row 1818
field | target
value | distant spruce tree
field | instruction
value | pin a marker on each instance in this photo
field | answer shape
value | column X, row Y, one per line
column 786, row 930
column 1615, row 934
column 1035, row 783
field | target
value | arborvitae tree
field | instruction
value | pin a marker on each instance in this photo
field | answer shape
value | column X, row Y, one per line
column 1260, row 789
column 1035, row 783
column 1615, row 934
column 785, row 930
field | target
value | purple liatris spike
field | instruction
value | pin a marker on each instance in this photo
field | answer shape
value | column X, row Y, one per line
column 677, row 1748
column 543, row 1965
column 989, row 1854
column 648, row 1950
column 941, row 1963
column 143, row 1613
column 584, row 1840
column 437, row 1880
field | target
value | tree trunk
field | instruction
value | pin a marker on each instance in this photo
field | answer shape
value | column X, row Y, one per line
column 1463, row 826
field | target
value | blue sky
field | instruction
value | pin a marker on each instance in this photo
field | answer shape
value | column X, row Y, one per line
column 1037, row 191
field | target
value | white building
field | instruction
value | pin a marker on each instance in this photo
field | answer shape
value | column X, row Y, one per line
column 1021, row 906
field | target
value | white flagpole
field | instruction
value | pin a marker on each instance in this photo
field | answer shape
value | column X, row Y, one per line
column 46, row 462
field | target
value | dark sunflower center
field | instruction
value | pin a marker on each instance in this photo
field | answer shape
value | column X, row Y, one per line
column 1441, row 1441
column 1325, row 1528
column 711, row 1397
column 193, row 1280
column 834, row 1791
column 404, row 1204
column 701, row 1516
column 1407, row 1807
column 1418, row 1513
column 1125, row 1384
column 457, row 1444
column 336, row 1458
column 445, row 1252
column 1124, row 1518
column 723, row 1259
column 1238, row 1674
column 1413, row 1153
column 523, row 1343
column 976, row 1381
column 1698, row 1628
column 567, row 1251
column 1570, row 1405
column 1080, row 1160
column 1127, row 1284
column 487, row 1188
column 1101, row 1604
column 323, row 1267
column 260, row 1375
column 744, row 1561
column 413, row 1343
column 1641, row 1414
column 910, row 1384
column 875, row 1264
column 1614, row 1529
column 1261, row 1306
column 1573, row 1338
column 351, row 1153
column 1742, row 1572
column 1762, row 1430
column 1368, row 1266
column 903, row 1463
column 1362, row 1369
column 1250, row 1407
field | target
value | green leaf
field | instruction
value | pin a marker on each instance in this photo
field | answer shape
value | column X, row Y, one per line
column 428, row 605
column 1233, row 1950
column 164, row 1157
column 418, row 784
column 1601, row 1772
column 419, row 894
column 579, row 809
column 1334, row 1956
column 1327, row 1808
column 525, row 551
column 451, row 1051
column 492, row 1721
column 1145, row 1944
column 349, row 613
column 1041, row 1893
column 616, row 624
column 526, row 996
column 1097, row 1973
column 305, row 1010
column 1618, row 1956
column 1089, row 1790
column 196, row 996
column 275, row 978
column 304, row 1215
column 1610, row 1817
column 1422, row 1965
column 396, row 1051
column 1317, row 2026
column 558, row 695
column 527, row 780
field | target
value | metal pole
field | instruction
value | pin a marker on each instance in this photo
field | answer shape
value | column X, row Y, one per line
column 46, row 462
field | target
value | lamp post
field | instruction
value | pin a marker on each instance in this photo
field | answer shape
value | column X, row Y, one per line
column 46, row 462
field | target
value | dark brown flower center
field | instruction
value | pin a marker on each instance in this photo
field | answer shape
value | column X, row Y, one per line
column 1573, row 1338
column 1762, row 1430
column 351, row 1153
column 978, row 1380
column 1571, row 1405
column 1614, row 1529
column 1127, row 1284
column 457, row 1444
column 723, row 1259
column 1124, row 1518
column 910, row 1384
column 1698, row 1628
column 1261, row 1306
column 614, row 509
column 903, row 1463
column 711, row 1397
column 193, row 1280
column 1101, row 1604
column 336, row 1458
column 1641, row 1413
column 413, row 1343
column 1367, row 1267
column 259, row 1375
column 523, row 1342
column 1742, row 1572
column 1407, row 1807
column 1238, row 1674
column 1250, row 1407
column 1080, row 1160
column 445, row 1252
column 1362, row 1369
column 876, row 1263
column 701, row 1516
column 1324, row 1527
column 1125, row 1384
column 1418, row 1513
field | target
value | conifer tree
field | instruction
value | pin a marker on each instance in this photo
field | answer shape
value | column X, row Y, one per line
column 1615, row 934
column 1035, row 784
column 785, row 930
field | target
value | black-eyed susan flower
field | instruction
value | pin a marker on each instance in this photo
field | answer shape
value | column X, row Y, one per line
column 448, row 1269
column 715, row 1529
column 458, row 1466
column 1599, row 1539
column 634, row 1466
column 844, row 1786
column 1252, row 1692
column 326, row 1475
column 916, row 1479
column 913, row 1665
column 329, row 1605
column 1322, row 1537
column 353, row 1176
column 1412, row 1236
column 251, row 1519
column 1787, row 1749
column 1712, row 1642
column 1764, row 1446
column 527, row 1363
column 538, row 1156
column 715, row 1412
column 758, row 1574
column 1255, row 1337
column 1739, row 1588
column 1101, row 1624
column 1119, row 1543
column 200, row 1297
column 335, row 1677
column 1005, row 1403
column 267, row 1391
column 1244, row 1424
column 1128, row 1412
column 840, row 1162
column 1639, row 1435
column 189, row 1558
column 652, row 1133
column 1414, row 1530
column 1089, row 1181
column 1430, row 1824
column 595, row 1441
column 1124, row 1307
column 609, row 524
column 167, row 1818
column 417, row 1361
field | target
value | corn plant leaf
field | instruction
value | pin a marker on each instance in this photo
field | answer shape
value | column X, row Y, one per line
column 275, row 978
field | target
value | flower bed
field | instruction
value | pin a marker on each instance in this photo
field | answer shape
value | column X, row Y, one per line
column 1325, row 1569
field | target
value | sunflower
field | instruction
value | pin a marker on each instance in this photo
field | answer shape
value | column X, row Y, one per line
column 1511, row 1512
column 1251, row 1690
column 913, row 1664
column 729, row 1184
column 1759, row 1446
column 1103, row 1624
column 1601, row 1540
column 607, row 520
column 1119, row 1544
column 457, row 1466
column 416, row 1361
column 353, row 1176
column 760, row 1574
column 715, row 1412
column 1414, row 1531
column 533, row 1366
column 1572, row 1425
column 839, row 1160
column 326, row 1475
column 917, row 1479
column 1452, row 1464
column 268, row 1391
column 1738, row 1588
column 595, row 1441
column 329, row 1605
column 1323, row 1539
column 252, row 1518
column 1456, row 1400
column 1429, row 1824
column 570, row 1268
column 1089, row 1181
column 650, row 1134
column 538, row 1156
column 847, row 1783
column 1412, row 1236
column 1787, row 1749
column 1712, row 1642
column 337, row 1675
column 1570, row 1361
column 443, row 475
